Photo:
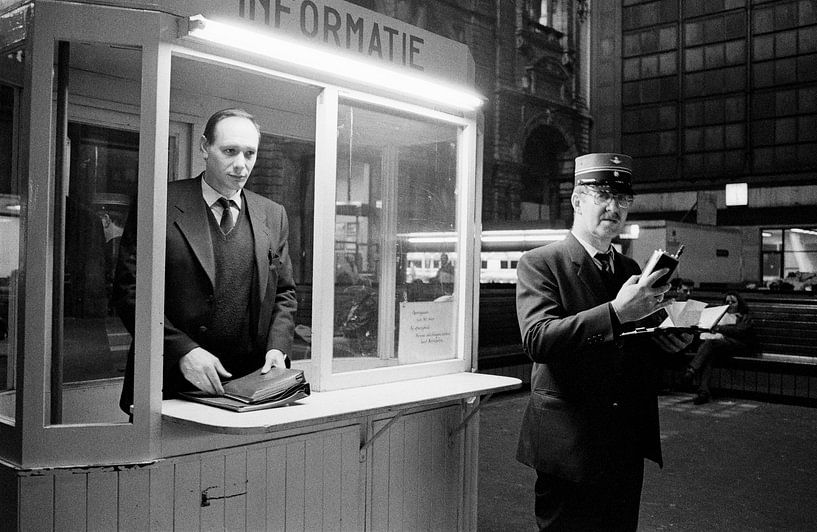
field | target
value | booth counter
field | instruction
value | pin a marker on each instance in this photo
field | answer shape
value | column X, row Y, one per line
column 370, row 139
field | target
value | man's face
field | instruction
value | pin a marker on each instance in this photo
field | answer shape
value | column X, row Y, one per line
column 597, row 213
column 684, row 292
column 230, row 155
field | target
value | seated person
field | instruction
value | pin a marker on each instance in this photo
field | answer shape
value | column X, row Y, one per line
column 733, row 335
column 681, row 289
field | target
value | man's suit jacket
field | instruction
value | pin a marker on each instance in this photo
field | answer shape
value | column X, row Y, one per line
column 190, row 278
column 592, row 395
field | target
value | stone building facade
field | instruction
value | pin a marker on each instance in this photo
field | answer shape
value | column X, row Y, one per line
column 532, row 63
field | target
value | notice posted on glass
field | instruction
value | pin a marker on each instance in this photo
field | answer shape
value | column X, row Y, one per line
column 426, row 331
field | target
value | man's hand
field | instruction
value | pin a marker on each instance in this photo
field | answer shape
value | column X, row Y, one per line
column 673, row 342
column 204, row 371
column 638, row 299
column 275, row 358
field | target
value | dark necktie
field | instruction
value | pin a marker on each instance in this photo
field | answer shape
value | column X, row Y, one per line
column 606, row 268
column 226, row 224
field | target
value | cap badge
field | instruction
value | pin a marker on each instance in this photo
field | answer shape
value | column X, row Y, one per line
column 615, row 174
column 615, row 160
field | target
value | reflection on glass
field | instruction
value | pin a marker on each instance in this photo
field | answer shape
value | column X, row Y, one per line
column 800, row 256
column 98, row 183
column 395, row 252
column 10, row 225
column 291, row 162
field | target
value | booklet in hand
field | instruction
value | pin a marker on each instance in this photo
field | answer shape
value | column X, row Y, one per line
column 277, row 387
column 661, row 259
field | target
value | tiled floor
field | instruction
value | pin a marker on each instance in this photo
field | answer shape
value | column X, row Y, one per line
column 730, row 465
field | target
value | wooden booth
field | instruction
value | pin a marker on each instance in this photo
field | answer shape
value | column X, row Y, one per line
column 371, row 140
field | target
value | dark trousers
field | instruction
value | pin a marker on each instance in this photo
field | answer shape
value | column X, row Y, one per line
column 612, row 505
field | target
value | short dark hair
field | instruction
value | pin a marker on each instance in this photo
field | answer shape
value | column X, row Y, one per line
column 218, row 116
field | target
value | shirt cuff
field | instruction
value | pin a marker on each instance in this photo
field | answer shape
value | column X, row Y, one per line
column 617, row 329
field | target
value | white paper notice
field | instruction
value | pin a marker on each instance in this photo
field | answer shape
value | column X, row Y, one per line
column 426, row 331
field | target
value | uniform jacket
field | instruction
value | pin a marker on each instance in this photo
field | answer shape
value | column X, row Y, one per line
column 592, row 393
column 190, row 276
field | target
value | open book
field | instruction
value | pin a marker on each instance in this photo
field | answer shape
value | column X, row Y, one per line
column 278, row 387
column 690, row 315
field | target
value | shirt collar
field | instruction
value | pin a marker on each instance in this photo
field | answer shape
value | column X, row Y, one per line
column 212, row 195
column 591, row 249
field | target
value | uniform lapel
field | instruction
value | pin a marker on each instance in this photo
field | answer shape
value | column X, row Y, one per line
column 586, row 270
column 190, row 214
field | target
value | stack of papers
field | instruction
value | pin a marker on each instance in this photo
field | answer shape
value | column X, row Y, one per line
column 693, row 314
column 278, row 387
column 690, row 316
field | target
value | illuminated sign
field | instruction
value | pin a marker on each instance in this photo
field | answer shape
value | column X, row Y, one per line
column 345, row 28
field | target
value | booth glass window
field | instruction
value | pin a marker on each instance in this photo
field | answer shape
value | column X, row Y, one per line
column 96, row 173
column 395, row 254
column 284, row 170
column 11, row 223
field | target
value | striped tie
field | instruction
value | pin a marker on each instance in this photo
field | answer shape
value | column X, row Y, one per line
column 227, row 223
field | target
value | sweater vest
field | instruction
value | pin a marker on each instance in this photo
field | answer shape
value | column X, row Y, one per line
column 230, row 333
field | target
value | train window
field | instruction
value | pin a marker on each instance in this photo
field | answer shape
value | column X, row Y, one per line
column 396, row 177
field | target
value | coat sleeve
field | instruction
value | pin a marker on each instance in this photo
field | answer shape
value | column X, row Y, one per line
column 550, row 329
column 176, row 342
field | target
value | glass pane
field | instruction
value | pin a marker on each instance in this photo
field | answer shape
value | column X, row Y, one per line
column 96, row 176
column 395, row 254
column 771, row 266
column 771, row 239
column 800, row 254
column 12, row 220
column 256, row 317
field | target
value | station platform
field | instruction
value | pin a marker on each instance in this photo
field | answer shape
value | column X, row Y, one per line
column 730, row 465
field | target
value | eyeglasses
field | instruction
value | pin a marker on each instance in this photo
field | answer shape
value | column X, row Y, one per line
column 603, row 197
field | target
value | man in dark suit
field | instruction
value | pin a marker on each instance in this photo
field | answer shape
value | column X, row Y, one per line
column 592, row 416
column 229, row 293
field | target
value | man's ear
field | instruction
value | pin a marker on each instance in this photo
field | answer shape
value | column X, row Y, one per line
column 203, row 146
column 576, row 202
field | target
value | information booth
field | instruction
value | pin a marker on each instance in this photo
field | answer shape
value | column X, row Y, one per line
column 371, row 140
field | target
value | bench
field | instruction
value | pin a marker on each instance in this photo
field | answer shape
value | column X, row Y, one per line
column 784, row 368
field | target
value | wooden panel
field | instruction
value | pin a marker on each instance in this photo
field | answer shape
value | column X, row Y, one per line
column 276, row 487
column 353, row 491
column 212, row 483
column 332, row 481
column 415, row 474
column 36, row 503
column 9, row 493
column 425, row 470
column 235, row 491
column 134, row 499
column 103, row 494
column 187, row 495
column 411, row 476
column 161, row 497
column 313, row 484
column 295, row 503
column 70, row 501
column 379, row 491
column 395, row 492
column 257, row 489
